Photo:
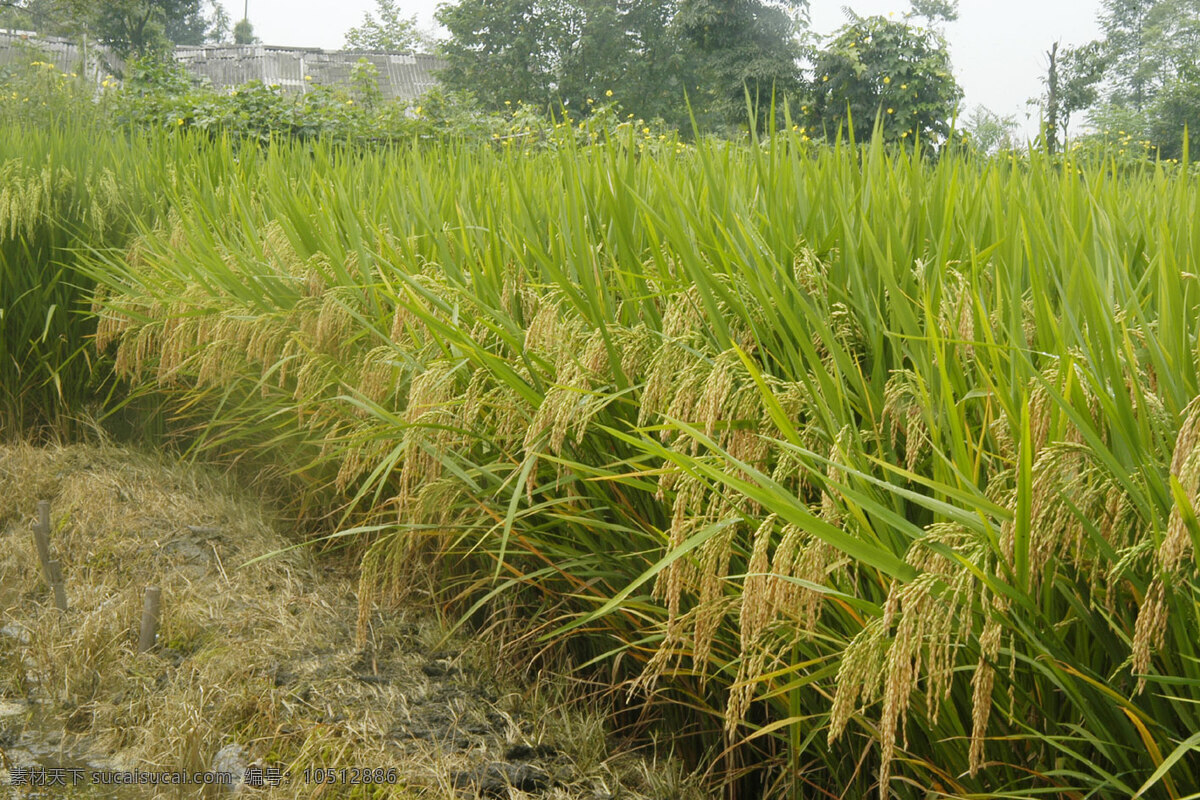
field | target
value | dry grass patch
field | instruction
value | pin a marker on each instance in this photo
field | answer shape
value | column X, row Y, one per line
column 256, row 662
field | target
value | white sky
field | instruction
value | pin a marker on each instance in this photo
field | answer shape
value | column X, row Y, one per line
column 998, row 46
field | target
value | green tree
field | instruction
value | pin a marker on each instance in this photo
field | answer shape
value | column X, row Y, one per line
column 649, row 53
column 131, row 28
column 1151, row 52
column 988, row 132
column 243, row 32
column 1127, row 27
column 630, row 49
column 1072, row 83
column 391, row 32
column 1080, row 71
column 1175, row 53
column 504, row 50
column 891, row 70
column 740, row 46
column 46, row 17
column 219, row 29
column 935, row 11
column 143, row 27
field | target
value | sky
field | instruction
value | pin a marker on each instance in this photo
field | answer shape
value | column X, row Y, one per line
column 998, row 47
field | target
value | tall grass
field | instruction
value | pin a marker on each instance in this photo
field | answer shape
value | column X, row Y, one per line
column 879, row 472
column 68, row 186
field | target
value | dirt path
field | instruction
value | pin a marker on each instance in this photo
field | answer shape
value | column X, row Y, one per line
column 256, row 673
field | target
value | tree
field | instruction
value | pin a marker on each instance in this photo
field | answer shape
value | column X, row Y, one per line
column 129, row 27
column 243, row 32
column 1177, row 110
column 1050, row 128
column 740, row 46
column 1127, row 42
column 935, row 11
column 504, row 51
column 219, row 27
column 989, row 132
column 390, row 32
column 649, row 53
column 1072, row 83
column 1151, row 55
column 46, row 17
column 1080, row 71
column 876, row 68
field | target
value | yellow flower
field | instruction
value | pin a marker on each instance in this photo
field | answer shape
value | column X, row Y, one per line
column 904, row 86
column 590, row 101
column 179, row 122
column 508, row 102
column 418, row 109
column 891, row 111
column 646, row 131
column 608, row 93
column 349, row 102
column 887, row 79
column 826, row 78
column 308, row 77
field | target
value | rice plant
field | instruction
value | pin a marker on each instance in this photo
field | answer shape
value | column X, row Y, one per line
column 876, row 473
column 66, row 188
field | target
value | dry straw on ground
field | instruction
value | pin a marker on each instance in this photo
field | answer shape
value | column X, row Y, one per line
column 256, row 661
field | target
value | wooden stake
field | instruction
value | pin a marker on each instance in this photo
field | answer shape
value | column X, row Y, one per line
column 41, row 537
column 56, row 583
column 150, row 608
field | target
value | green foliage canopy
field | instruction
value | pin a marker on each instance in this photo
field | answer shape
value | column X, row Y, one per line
column 649, row 53
column 390, row 32
column 1151, row 55
column 893, row 70
column 130, row 28
column 243, row 32
column 740, row 46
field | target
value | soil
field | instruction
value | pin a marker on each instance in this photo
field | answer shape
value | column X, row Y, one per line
column 256, row 673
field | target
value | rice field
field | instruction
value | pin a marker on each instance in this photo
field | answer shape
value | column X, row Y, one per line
column 866, row 473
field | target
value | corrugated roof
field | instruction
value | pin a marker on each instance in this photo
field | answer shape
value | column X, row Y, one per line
column 403, row 76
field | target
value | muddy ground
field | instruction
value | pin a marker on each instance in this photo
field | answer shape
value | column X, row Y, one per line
column 256, row 674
